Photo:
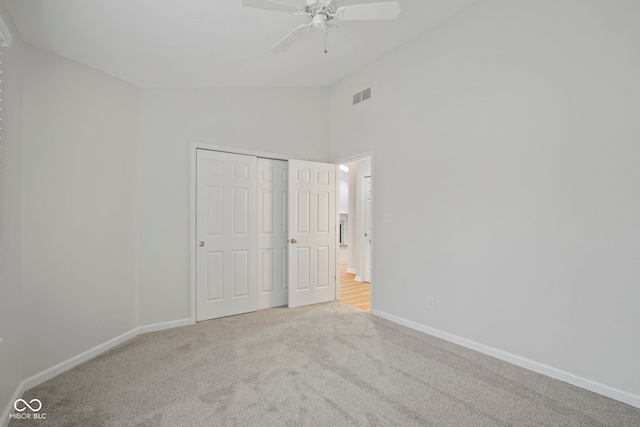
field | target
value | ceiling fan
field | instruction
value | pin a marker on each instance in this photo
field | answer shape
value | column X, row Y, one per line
column 321, row 14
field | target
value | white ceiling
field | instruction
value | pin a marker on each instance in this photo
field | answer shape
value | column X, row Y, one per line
column 212, row 43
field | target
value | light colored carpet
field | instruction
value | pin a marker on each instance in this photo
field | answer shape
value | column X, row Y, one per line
column 324, row 365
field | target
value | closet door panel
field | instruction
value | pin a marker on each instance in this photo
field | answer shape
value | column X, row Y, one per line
column 272, row 233
column 226, row 218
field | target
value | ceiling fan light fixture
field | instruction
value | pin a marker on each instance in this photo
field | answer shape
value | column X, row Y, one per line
column 320, row 21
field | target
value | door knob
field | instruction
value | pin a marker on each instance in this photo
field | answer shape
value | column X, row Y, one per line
column 201, row 243
column 294, row 241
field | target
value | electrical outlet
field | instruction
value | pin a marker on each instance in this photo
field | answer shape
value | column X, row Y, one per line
column 431, row 303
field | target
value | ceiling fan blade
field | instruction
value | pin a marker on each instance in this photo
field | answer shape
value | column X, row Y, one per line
column 271, row 5
column 290, row 39
column 369, row 11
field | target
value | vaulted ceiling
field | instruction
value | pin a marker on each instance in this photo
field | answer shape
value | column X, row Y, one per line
column 213, row 43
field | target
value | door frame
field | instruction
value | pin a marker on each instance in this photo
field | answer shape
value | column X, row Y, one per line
column 193, row 147
column 339, row 161
column 363, row 226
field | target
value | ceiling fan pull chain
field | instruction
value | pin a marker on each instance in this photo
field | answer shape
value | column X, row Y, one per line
column 326, row 30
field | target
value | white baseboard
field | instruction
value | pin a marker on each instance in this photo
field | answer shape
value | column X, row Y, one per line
column 4, row 421
column 351, row 270
column 74, row 361
column 613, row 393
column 358, row 279
column 164, row 325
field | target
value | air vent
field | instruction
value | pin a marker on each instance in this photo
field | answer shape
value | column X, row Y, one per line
column 362, row 96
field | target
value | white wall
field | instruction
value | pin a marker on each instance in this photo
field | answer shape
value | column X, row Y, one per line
column 506, row 148
column 79, row 208
column 10, row 210
column 287, row 121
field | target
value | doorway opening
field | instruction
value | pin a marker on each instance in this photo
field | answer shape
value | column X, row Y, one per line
column 355, row 233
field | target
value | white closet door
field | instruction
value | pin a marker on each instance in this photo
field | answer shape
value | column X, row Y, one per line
column 312, row 232
column 273, row 260
column 226, row 219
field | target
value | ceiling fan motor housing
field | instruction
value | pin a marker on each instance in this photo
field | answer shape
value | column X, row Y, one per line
column 320, row 12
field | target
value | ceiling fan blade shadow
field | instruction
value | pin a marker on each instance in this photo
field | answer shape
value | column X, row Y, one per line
column 290, row 39
column 369, row 11
column 271, row 5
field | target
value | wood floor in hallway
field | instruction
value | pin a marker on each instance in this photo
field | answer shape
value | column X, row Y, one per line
column 353, row 293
